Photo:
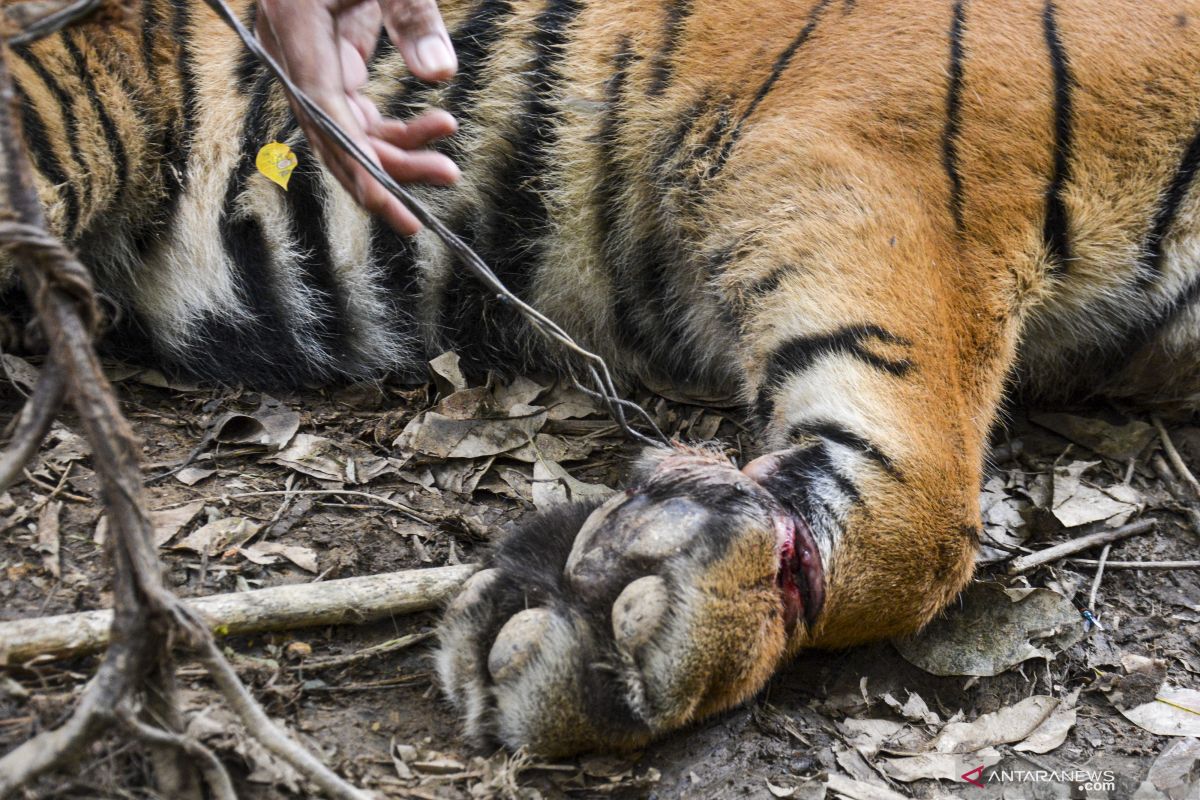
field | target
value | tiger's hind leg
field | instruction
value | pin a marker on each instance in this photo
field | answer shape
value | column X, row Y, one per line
column 874, row 356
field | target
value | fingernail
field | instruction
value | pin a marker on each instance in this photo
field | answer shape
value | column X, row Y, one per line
column 435, row 56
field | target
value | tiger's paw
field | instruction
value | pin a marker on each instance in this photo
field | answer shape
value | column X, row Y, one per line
column 601, row 627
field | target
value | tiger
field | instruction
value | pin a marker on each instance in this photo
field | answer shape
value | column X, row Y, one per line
column 875, row 221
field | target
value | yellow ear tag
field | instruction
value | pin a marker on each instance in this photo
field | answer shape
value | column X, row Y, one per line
column 276, row 161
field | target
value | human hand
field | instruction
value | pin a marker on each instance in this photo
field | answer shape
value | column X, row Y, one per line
column 324, row 46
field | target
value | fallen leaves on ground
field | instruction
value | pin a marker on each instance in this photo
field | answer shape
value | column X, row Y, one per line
column 214, row 538
column 1174, row 711
column 993, row 628
column 1077, row 502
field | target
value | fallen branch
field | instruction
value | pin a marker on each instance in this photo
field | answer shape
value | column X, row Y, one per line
column 406, row 510
column 1181, row 468
column 1060, row 551
column 1171, row 481
column 1159, row 565
column 345, row 601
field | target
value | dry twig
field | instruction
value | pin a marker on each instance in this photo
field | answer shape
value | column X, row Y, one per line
column 1171, row 481
column 1155, row 565
column 1091, row 603
column 1059, row 551
column 348, row 600
column 383, row 648
column 1181, row 468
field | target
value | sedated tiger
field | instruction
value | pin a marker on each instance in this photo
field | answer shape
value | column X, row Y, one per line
column 869, row 217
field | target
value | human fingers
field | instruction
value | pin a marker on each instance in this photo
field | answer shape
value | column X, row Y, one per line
column 416, row 28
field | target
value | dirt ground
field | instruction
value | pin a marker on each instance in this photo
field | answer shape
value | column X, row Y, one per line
column 380, row 720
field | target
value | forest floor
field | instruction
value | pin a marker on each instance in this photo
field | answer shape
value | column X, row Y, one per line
column 1013, row 679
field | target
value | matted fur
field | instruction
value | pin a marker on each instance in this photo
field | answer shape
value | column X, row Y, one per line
column 867, row 216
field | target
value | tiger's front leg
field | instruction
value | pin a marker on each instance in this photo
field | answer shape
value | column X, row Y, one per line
column 601, row 628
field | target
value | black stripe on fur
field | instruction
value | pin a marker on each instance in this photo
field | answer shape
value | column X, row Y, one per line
column 474, row 43
column 662, row 68
column 178, row 145
column 671, row 162
column 839, row 434
column 66, row 109
column 780, row 66
column 508, row 231
column 1056, row 232
column 151, row 24
column 112, row 137
column 800, row 352
column 46, row 160
column 953, row 126
column 792, row 481
column 1151, row 265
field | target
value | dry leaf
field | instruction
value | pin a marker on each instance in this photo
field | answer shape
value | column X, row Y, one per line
column 152, row 377
column 1119, row 442
column 522, row 391
column 914, row 709
column 1003, row 520
column 1012, row 724
column 860, row 790
column 1139, row 685
column 553, row 448
column 218, row 728
column 1174, row 712
column 992, row 629
column 170, row 521
column 272, row 425
column 476, row 403
column 568, row 402
column 447, row 373
column 439, row 436
column 68, row 446
column 1176, row 771
column 855, row 765
column 938, row 766
column 460, row 476
column 315, row 456
column 48, row 536
column 216, row 537
column 190, row 476
column 19, row 371
column 1054, row 729
column 266, row 552
column 869, row 736
column 1076, row 503
column 553, row 485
